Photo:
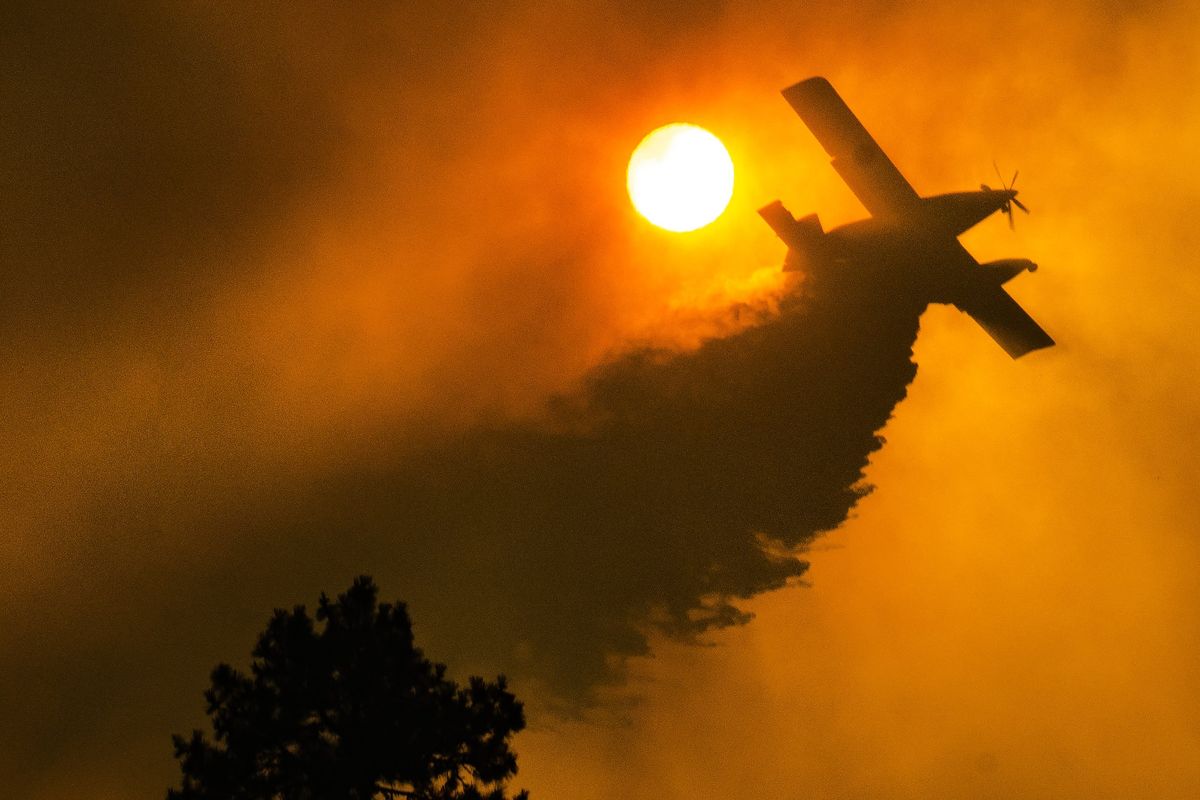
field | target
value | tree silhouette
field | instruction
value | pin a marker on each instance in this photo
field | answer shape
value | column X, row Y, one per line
column 349, row 708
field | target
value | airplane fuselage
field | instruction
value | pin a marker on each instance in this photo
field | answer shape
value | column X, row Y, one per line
column 909, row 246
column 919, row 246
column 940, row 215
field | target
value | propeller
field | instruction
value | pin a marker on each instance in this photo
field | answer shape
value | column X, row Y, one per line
column 1007, row 206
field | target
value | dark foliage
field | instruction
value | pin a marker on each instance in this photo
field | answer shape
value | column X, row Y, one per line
column 349, row 708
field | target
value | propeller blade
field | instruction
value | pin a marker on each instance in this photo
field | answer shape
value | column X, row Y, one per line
column 1007, row 206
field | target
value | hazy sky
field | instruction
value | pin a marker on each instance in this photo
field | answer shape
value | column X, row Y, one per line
column 295, row 294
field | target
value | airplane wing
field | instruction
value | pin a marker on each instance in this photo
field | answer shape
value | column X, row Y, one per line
column 1006, row 322
column 986, row 302
column 864, row 167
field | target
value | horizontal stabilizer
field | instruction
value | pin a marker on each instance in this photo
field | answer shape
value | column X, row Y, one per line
column 1006, row 322
column 778, row 217
column 795, row 233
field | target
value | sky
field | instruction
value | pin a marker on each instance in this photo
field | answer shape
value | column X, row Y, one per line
column 294, row 294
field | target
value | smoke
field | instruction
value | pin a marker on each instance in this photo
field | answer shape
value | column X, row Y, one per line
column 668, row 487
column 263, row 268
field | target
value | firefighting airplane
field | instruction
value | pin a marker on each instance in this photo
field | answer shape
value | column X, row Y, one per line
column 905, row 231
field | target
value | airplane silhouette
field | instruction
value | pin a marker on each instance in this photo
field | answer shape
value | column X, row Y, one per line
column 914, row 238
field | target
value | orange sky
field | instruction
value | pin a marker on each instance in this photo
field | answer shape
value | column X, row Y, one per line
column 255, row 257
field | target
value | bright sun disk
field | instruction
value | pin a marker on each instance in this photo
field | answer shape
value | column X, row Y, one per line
column 680, row 177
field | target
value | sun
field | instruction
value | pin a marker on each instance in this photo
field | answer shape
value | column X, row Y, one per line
column 680, row 177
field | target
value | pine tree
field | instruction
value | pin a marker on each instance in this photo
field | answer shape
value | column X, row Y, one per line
column 347, row 708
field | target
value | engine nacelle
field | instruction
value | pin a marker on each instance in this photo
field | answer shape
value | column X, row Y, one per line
column 1006, row 269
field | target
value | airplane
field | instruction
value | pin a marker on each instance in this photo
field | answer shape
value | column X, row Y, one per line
column 906, row 232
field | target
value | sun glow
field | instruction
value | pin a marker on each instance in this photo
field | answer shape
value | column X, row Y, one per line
column 680, row 177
